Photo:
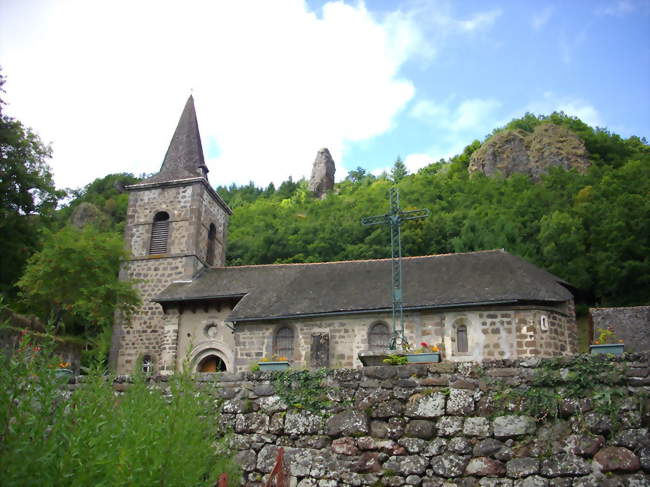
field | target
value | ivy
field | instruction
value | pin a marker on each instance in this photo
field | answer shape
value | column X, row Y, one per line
column 302, row 389
column 585, row 377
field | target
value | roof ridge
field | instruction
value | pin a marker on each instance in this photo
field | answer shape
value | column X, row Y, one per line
column 287, row 264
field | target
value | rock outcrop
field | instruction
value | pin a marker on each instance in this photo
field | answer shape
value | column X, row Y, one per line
column 322, row 173
column 517, row 151
column 84, row 214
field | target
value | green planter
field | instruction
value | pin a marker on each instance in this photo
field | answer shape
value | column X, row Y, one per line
column 423, row 358
column 265, row 366
column 613, row 348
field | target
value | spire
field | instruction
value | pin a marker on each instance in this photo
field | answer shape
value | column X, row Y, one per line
column 184, row 158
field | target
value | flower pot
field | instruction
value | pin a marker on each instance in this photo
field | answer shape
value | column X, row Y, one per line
column 613, row 348
column 282, row 365
column 423, row 358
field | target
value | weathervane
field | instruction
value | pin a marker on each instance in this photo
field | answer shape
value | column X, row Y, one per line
column 395, row 218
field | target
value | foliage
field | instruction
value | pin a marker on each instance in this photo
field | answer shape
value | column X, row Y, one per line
column 107, row 194
column 606, row 336
column 27, row 195
column 74, row 279
column 302, row 389
column 584, row 377
column 398, row 171
column 92, row 437
column 396, row 359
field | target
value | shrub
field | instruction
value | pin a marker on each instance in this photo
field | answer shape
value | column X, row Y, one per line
column 93, row 436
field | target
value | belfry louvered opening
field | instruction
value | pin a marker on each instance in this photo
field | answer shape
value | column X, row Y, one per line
column 159, row 233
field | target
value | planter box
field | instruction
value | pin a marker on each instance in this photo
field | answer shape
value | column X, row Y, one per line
column 273, row 365
column 613, row 348
column 423, row 358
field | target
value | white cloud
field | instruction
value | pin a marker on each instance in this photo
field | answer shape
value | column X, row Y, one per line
column 273, row 82
column 540, row 19
column 454, row 124
column 575, row 107
column 479, row 21
column 617, row 9
column 466, row 115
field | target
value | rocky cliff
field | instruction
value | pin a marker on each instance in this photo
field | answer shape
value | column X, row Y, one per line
column 322, row 173
column 517, row 151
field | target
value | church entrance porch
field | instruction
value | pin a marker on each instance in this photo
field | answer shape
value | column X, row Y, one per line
column 211, row 363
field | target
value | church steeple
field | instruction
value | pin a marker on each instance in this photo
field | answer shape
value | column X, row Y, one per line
column 184, row 157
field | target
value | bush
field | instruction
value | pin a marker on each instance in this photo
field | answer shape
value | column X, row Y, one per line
column 95, row 437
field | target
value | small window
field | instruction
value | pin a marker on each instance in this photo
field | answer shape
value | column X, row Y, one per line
column 378, row 336
column 147, row 365
column 212, row 236
column 283, row 344
column 159, row 233
column 461, row 339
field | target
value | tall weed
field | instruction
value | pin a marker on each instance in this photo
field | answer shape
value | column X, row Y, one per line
column 93, row 436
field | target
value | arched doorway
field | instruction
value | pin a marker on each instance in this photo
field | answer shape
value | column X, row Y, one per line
column 211, row 363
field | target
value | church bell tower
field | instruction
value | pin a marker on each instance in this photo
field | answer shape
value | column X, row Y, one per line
column 176, row 225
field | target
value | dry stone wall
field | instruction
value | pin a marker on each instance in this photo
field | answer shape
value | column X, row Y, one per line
column 447, row 424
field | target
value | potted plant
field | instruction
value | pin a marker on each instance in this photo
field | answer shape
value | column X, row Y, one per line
column 425, row 354
column 273, row 363
column 607, row 342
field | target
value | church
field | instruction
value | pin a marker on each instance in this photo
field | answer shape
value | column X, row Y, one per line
column 197, row 312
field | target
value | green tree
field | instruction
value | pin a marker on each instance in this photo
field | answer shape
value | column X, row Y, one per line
column 27, row 193
column 74, row 279
column 398, row 171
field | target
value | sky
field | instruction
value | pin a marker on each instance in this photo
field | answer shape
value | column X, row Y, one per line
column 104, row 82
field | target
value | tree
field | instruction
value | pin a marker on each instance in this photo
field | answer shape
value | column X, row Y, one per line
column 356, row 175
column 26, row 192
column 74, row 279
column 399, row 171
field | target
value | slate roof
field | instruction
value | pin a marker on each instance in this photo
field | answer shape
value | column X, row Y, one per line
column 435, row 281
column 184, row 157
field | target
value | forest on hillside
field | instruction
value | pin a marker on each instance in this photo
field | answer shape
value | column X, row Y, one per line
column 62, row 249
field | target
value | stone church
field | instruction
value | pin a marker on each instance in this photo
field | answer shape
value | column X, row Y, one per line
column 198, row 312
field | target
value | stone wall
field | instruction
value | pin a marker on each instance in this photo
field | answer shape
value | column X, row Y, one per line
column 445, row 424
column 492, row 333
column 632, row 325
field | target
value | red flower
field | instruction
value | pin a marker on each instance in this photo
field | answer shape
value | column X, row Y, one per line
column 424, row 344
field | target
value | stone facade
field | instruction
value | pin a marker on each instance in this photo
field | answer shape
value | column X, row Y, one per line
column 492, row 333
column 192, row 207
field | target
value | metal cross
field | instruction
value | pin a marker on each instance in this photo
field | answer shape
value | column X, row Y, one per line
column 395, row 218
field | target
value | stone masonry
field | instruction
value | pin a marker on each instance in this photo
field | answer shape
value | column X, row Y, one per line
column 191, row 208
column 439, row 425
column 493, row 333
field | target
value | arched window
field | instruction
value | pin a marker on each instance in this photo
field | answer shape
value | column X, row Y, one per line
column 461, row 339
column 283, row 343
column 212, row 236
column 159, row 233
column 147, row 365
column 378, row 336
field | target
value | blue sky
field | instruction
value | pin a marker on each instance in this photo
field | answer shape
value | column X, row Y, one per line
column 105, row 82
